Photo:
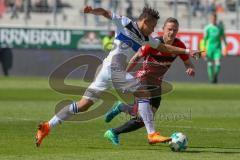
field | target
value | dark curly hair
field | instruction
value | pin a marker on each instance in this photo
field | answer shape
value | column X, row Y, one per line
column 149, row 12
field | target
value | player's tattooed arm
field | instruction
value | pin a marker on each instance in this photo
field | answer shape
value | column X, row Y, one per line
column 134, row 60
column 98, row 11
column 176, row 50
column 170, row 49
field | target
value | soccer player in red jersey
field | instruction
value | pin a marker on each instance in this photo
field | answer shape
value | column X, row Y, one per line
column 129, row 38
column 151, row 73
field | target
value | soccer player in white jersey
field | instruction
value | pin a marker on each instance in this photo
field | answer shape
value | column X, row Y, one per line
column 129, row 37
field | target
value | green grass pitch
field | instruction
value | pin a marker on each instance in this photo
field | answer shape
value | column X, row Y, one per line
column 209, row 116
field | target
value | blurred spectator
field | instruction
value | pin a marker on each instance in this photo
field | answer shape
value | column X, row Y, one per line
column 231, row 5
column 27, row 5
column 107, row 41
column 177, row 2
column 15, row 8
column 6, row 58
column 41, row 6
column 219, row 8
column 55, row 5
column 113, row 5
column 212, row 8
column 97, row 4
column 129, row 8
column 196, row 6
column 85, row 15
column 2, row 7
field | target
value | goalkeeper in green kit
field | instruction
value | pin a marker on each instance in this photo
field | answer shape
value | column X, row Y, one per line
column 213, row 36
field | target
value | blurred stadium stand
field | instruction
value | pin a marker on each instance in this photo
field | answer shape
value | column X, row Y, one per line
column 66, row 13
column 40, row 59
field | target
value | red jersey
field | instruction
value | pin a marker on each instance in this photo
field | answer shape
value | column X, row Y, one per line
column 155, row 66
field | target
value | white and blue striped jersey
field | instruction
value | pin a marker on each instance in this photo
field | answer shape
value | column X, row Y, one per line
column 128, row 38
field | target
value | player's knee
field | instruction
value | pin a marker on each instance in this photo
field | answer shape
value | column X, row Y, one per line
column 84, row 104
column 138, row 122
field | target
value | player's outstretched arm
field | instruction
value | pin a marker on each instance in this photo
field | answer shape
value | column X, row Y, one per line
column 133, row 62
column 171, row 49
column 176, row 50
column 98, row 12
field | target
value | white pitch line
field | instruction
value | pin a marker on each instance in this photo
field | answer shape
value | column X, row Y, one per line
column 5, row 119
column 202, row 128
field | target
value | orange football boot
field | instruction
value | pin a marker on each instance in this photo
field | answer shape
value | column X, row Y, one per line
column 157, row 138
column 43, row 131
